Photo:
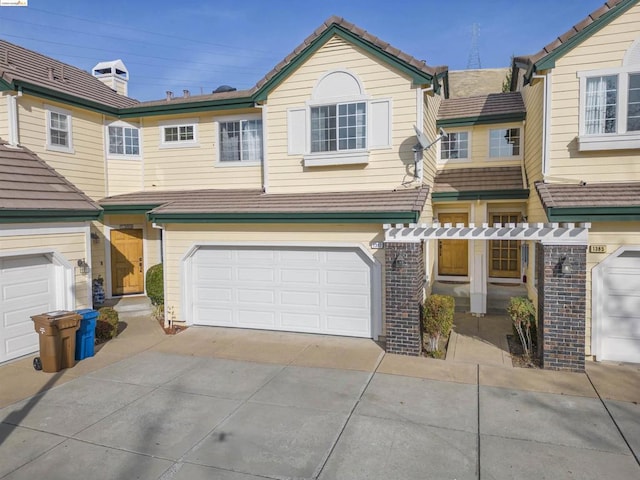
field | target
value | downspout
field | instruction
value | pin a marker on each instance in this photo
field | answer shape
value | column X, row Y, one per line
column 546, row 120
column 265, row 165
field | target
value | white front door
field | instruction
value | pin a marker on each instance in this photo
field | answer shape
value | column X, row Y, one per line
column 619, row 323
column 27, row 288
column 316, row 290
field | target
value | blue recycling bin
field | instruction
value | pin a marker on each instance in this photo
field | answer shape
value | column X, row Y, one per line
column 86, row 334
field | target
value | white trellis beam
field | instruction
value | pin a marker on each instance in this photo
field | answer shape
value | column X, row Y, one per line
column 555, row 233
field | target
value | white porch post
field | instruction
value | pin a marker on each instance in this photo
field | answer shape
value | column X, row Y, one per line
column 478, row 279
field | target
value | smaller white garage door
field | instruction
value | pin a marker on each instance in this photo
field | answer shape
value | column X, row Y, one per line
column 27, row 288
column 620, row 322
column 319, row 290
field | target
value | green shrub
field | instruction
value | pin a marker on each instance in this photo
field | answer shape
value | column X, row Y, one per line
column 437, row 318
column 155, row 284
column 523, row 314
column 107, row 323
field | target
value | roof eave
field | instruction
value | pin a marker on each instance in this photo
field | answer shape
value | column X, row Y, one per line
column 482, row 119
column 511, row 194
column 594, row 214
column 47, row 216
column 187, row 107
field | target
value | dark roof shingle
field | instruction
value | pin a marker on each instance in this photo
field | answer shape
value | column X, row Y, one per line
column 28, row 183
column 483, row 105
column 562, row 195
column 478, row 179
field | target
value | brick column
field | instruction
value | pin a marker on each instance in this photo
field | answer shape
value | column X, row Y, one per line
column 404, row 281
column 561, row 306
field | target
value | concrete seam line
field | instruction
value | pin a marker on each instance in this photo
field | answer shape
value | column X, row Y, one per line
column 318, row 471
column 478, row 407
column 613, row 420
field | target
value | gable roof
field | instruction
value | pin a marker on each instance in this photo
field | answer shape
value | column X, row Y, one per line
column 545, row 58
column 211, row 205
column 483, row 109
column 37, row 73
column 29, row 70
column 31, row 190
column 590, row 201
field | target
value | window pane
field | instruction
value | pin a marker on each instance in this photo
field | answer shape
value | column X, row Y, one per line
column 59, row 129
column 323, row 128
column 131, row 141
column 455, row 145
column 633, row 114
column 186, row 133
column 252, row 140
column 353, row 122
column 504, row 142
column 229, row 141
column 171, row 134
column 115, row 140
column 601, row 105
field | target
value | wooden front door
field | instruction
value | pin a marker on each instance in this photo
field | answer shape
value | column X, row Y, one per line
column 453, row 255
column 126, row 262
column 504, row 255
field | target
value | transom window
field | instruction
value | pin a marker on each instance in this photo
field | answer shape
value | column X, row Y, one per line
column 124, row 140
column 339, row 127
column 455, row 145
column 241, row 141
column 179, row 133
column 504, row 142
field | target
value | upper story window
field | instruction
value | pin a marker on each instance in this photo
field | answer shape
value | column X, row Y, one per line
column 504, row 142
column 58, row 129
column 240, row 140
column 339, row 124
column 182, row 134
column 455, row 146
column 124, row 140
column 610, row 105
column 339, row 127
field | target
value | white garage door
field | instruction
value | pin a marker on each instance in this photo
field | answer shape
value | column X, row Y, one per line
column 620, row 327
column 294, row 289
column 27, row 288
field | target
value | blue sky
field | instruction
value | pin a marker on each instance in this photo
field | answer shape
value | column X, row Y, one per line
column 199, row 45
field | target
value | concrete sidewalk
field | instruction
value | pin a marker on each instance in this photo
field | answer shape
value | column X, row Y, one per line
column 237, row 404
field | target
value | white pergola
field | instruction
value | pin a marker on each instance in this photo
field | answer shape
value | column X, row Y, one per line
column 547, row 233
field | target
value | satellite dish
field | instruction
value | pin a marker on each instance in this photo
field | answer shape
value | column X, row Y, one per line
column 422, row 139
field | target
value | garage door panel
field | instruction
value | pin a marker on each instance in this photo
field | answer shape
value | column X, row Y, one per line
column 623, row 280
column 26, row 288
column 209, row 314
column 18, row 315
column 285, row 288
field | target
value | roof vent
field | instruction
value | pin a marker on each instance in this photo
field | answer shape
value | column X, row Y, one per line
column 224, row 88
column 169, row 95
column 186, row 93
column 114, row 74
column 50, row 73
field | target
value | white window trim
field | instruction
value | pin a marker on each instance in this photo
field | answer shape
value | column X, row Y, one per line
column 187, row 122
column 467, row 159
column 608, row 141
column 512, row 157
column 59, row 148
column 236, row 118
column 119, row 156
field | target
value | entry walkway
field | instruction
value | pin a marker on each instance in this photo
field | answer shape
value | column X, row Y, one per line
column 480, row 340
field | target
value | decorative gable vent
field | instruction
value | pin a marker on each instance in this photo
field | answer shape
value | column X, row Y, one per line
column 114, row 74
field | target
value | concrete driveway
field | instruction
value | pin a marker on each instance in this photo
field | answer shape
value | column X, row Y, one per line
column 241, row 405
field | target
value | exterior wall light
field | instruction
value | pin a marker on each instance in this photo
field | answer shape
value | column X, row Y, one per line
column 83, row 266
column 564, row 266
column 399, row 261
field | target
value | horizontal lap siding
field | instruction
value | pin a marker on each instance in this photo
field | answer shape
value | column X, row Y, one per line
column 124, row 176
column 604, row 49
column 85, row 167
column 180, row 238
column 71, row 246
column 192, row 167
column 4, row 120
column 386, row 168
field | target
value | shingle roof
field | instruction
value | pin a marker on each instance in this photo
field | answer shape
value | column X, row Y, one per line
column 28, row 183
column 484, row 105
column 20, row 64
column 255, row 201
column 572, row 32
column 478, row 179
column 559, row 195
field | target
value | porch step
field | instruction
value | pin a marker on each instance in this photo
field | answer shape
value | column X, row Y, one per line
column 138, row 305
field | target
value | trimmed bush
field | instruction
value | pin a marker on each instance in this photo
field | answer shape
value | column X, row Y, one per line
column 107, row 324
column 523, row 314
column 437, row 318
column 155, row 284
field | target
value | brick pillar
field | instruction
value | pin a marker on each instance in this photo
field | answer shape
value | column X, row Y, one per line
column 561, row 306
column 404, row 281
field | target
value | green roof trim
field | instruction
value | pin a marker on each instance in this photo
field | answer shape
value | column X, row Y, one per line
column 419, row 77
column 549, row 60
column 130, row 209
column 295, row 217
column 482, row 120
column 594, row 214
column 519, row 194
column 187, row 107
column 48, row 216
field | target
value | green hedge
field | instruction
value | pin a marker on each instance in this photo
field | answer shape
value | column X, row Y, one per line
column 437, row 315
column 155, row 284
